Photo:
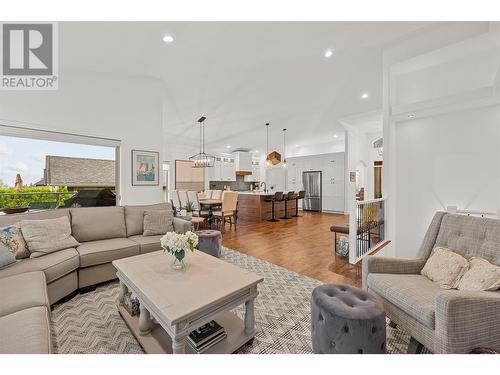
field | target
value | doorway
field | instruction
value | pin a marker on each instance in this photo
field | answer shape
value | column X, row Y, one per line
column 377, row 179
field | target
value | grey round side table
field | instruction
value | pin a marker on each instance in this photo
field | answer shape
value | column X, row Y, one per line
column 346, row 320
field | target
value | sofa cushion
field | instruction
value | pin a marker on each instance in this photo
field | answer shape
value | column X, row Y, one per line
column 22, row 292
column 134, row 216
column 26, row 332
column 98, row 223
column 158, row 222
column 105, row 251
column 445, row 267
column 41, row 215
column 54, row 265
column 47, row 236
column 414, row 294
column 12, row 238
column 147, row 243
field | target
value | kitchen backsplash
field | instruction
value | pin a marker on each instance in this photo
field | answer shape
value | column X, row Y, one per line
column 239, row 185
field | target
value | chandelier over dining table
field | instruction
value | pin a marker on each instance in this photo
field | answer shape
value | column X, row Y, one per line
column 202, row 159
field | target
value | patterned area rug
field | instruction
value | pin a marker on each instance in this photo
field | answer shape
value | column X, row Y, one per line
column 90, row 323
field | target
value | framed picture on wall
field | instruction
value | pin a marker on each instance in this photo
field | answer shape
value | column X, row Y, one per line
column 145, row 168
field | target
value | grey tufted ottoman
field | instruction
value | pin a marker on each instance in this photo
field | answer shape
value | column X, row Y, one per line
column 210, row 242
column 346, row 320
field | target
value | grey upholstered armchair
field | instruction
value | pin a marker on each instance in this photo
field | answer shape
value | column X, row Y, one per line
column 444, row 321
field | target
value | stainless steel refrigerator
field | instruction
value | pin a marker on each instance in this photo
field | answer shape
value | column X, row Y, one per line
column 312, row 186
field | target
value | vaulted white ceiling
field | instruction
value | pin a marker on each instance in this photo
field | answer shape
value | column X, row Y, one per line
column 242, row 75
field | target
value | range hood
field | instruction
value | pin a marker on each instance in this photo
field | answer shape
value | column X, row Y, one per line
column 243, row 163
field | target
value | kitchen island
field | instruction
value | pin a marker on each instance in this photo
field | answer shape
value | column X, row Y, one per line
column 252, row 206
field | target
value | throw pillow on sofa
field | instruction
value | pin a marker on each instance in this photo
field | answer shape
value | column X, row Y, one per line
column 12, row 237
column 6, row 257
column 46, row 236
column 482, row 275
column 158, row 222
column 445, row 267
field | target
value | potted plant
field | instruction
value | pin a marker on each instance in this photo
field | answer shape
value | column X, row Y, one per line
column 178, row 245
column 189, row 207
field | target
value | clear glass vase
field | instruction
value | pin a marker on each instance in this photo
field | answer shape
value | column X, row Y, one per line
column 178, row 264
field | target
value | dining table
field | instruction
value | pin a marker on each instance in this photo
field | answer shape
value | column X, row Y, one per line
column 210, row 204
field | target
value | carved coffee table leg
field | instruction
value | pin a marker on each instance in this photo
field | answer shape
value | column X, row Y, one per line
column 249, row 316
column 123, row 292
column 144, row 321
column 179, row 345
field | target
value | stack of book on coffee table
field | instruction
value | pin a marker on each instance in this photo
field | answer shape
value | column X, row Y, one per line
column 206, row 336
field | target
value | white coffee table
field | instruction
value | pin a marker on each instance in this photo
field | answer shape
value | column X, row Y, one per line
column 175, row 302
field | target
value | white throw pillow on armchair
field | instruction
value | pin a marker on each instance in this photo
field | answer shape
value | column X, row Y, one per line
column 445, row 267
column 482, row 275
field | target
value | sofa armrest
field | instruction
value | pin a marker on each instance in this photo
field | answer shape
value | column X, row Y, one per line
column 181, row 226
column 466, row 320
column 374, row 264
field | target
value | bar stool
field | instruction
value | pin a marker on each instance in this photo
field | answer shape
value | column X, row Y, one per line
column 278, row 197
column 287, row 197
column 298, row 196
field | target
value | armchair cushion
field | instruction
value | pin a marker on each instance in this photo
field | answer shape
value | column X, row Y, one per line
column 414, row 294
column 471, row 236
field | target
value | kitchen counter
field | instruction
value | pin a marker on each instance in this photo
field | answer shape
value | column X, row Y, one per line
column 252, row 206
column 255, row 192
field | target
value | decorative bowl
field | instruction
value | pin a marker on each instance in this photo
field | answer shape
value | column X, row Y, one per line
column 15, row 210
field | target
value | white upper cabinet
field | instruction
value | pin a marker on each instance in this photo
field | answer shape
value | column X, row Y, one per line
column 215, row 173
column 223, row 169
column 228, row 173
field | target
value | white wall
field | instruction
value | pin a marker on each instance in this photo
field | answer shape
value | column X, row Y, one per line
column 372, row 156
column 447, row 160
column 126, row 109
column 315, row 149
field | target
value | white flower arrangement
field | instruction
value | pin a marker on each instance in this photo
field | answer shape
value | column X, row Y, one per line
column 178, row 244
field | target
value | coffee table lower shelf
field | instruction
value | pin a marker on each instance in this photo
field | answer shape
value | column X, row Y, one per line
column 159, row 342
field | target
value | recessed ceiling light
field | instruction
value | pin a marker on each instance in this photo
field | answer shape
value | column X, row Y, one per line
column 335, row 136
column 296, row 145
column 364, row 95
column 167, row 38
column 329, row 53
column 411, row 116
column 228, row 146
column 257, row 151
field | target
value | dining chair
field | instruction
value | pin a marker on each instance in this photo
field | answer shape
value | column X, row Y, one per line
column 217, row 194
column 183, row 198
column 193, row 198
column 176, row 203
column 228, row 211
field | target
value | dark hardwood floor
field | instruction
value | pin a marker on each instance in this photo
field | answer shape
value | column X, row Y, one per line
column 303, row 245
